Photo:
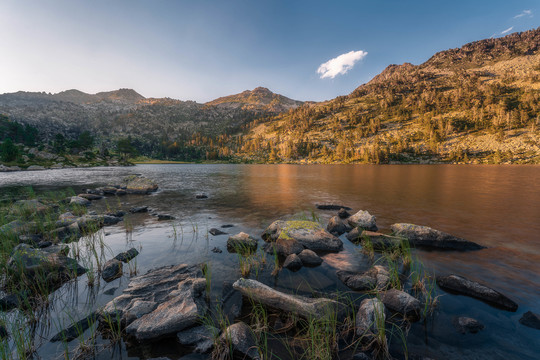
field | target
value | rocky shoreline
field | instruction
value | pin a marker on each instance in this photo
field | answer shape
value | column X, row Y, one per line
column 173, row 302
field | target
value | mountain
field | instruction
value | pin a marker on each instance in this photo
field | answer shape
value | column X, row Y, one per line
column 260, row 99
column 477, row 103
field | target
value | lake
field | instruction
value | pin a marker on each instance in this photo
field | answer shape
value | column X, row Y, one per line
column 495, row 206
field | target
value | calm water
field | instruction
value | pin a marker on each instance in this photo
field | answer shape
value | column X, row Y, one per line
column 496, row 206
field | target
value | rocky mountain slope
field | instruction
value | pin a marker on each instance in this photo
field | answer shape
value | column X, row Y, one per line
column 477, row 103
column 259, row 98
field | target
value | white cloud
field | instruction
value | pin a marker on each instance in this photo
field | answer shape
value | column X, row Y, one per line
column 340, row 65
column 527, row 13
column 507, row 30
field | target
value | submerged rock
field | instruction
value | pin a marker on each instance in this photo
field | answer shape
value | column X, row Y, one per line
column 401, row 302
column 461, row 285
column 240, row 339
column 370, row 316
column 375, row 278
column 201, row 196
column 292, row 262
column 241, row 243
column 363, row 219
column 467, row 325
column 201, row 337
column 299, row 305
column 309, row 234
column 331, row 207
column 310, row 258
column 126, row 256
column 531, row 320
column 164, row 301
column 216, row 232
column 138, row 209
column 112, row 269
column 424, row 236
column 76, row 329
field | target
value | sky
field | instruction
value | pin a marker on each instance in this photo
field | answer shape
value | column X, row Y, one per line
column 201, row 50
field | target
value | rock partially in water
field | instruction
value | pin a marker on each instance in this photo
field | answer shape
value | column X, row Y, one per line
column 370, row 316
column 217, row 250
column 331, row 207
column 531, row 320
column 201, row 196
column 163, row 217
column 91, row 197
column 138, row 209
column 309, row 234
column 111, row 220
column 363, row 219
column 240, row 338
column 134, row 184
column 467, row 325
column 241, row 243
column 424, row 236
column 284, row 247
column 126, row 256
column 337, row 225
column 461, row 285
column 299, row 305
column 403, row 303
column 292, row 262
column 162, row 302
column 79, row 201
column 76, row 329
column 201, row 337
column 310, row 258
column 379, row 241
column 226, row 226
column 112, row 269
column 231, row 301
column 216, row 232
column 375, row 278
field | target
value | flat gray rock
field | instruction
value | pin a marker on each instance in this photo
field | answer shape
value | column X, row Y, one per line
column 309, row 234
column 424, row 236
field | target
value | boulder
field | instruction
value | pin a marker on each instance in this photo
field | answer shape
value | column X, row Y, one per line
column 292, row 262
column 379, row 241
column 343, row 214
column 201, row 337
column 138, row 209
column 424, row 236
column 112, row 269
column 120, row 192
column 134, row 184
column 531, row 320
column 163, row 217
column 461, row 285
column 284, row 247
column 299, row 305
column 162, row 302
column 28, row 207
column 241, row 243
column 363, row 219
column 337, row 226
column 370, row 316
column 467, row 325
column 76, row 329
column 375, row 278
column 309, row 234
column 216, row 232
column 403, row 303
column 79, row 201
column 17, row 228
column 66, row 219
column 240, row 339
column 126, row 256
column 310, row 258
column 111, row 220
column 90, row 197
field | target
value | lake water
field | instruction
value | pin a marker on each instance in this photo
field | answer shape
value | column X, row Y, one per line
column 495, row 206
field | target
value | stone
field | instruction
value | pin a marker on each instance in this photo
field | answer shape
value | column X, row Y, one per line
column 467, row 325
column 126, row 256
column 162, row 302
column 375, row 278
column 227, row 226
column 370, row 315
column 112, row 269
column 231, row 301
column 292, row 262
column 138, row 209
column 94, row 191
column 110, row 291
column 531, row 320
column 402, row 302
column 331, row 207
column 118, row 213
column 337, row 226
column 16, row 228
column 310, row 258
column 28, row 207
column 79, row 201
column 299, row 305
column 120, row 192
column 201, row 196
column 10, row 301
column 108, row 190
column 65, row 219
column 240, row 338
column 241, row 243
column 90, row 197
column 343, row 214
column 461, row 285
column 309, row 234
column 284, row 247
column 76, row 329
column 216, row 232
column 424, row 236
column 111, row 220
column 35, row 167
column 201, row 337
column 363, row 219
column 217, row 250
column 163, row 217
column 134, row 184
column 381, row 242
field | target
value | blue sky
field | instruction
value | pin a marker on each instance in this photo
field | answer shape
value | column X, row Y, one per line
column 200, row 50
